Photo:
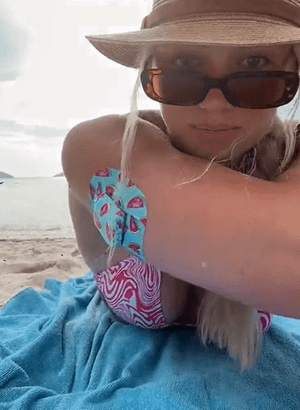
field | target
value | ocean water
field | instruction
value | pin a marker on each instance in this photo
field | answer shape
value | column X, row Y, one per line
column 35, row 208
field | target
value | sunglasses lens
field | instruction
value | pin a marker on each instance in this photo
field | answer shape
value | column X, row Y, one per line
column 261, row 90
column 176, row 87
column 258, row 92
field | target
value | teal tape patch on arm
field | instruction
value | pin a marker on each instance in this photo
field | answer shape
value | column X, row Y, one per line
column 120, row 215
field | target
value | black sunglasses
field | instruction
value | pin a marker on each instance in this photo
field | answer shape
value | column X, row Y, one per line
column 257, row 90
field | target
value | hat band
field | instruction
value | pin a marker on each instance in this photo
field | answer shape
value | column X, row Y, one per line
column 171, row 11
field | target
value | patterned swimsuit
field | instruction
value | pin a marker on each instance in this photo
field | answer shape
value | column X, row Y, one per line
column 132, row 288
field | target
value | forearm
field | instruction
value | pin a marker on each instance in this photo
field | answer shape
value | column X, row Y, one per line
column 229, row 233
column 232, row 234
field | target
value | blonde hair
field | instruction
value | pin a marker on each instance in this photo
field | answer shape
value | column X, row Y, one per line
column 228, row 323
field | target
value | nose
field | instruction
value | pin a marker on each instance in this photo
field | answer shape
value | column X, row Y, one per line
column 214, row 99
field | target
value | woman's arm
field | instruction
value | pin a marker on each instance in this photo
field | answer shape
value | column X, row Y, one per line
column 232, row 234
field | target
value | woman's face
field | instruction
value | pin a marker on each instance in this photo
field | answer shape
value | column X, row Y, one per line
column 184, row 123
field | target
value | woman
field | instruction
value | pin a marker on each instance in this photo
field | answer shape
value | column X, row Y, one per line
column 222, row 233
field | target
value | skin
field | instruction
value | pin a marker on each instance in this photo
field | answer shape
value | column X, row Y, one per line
column 180, row 300
column 216, row 62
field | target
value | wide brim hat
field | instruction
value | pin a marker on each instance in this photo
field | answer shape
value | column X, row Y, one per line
column 205, row 22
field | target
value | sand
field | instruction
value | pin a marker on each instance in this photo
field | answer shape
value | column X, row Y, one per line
column 27, row 263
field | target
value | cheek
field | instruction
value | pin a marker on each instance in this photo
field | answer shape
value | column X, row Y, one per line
column 259, row 121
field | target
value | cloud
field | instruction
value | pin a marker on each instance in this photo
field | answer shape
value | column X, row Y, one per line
column 29, row 150
column 9, row 127
column 14, row 41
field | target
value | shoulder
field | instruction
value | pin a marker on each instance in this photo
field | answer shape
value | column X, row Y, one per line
column 90, row 146
column 97, row 144
column 99, row 133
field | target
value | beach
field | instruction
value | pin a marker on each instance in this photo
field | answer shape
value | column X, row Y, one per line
column 37, row 240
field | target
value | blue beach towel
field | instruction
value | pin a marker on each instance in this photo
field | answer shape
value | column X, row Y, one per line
column 61, row 349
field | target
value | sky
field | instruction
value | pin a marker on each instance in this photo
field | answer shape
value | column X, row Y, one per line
column 52, row 78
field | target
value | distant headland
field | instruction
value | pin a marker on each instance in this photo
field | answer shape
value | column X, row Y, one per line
column 5, row 175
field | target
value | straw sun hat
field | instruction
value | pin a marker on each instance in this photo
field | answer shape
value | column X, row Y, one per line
column 206, row 22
